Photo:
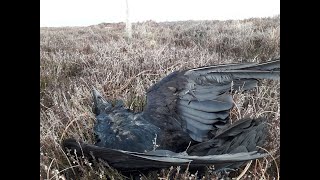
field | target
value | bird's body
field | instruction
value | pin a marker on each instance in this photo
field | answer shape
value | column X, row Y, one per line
column 120, row 128
column 125, row 130
column 187, row 112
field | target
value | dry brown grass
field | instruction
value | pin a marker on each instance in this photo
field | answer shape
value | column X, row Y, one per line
column 74, row 59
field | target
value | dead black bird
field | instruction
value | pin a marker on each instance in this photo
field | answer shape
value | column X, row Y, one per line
column 185, row 121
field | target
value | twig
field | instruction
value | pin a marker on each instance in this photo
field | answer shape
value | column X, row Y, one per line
column 244, row 171
column 48, row 172
column 275, row 162
column 64, row 170
column 131, row 79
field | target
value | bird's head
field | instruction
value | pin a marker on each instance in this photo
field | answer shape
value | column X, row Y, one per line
column 102, row 105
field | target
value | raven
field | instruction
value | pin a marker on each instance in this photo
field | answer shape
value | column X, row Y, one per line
column 185, row 121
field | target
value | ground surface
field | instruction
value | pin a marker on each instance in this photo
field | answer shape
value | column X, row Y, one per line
column 76, row 58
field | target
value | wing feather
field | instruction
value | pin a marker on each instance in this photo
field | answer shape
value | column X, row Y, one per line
column 201, row 97
column 155, row 159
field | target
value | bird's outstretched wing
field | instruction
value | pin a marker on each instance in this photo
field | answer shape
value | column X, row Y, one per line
column 155, row 159
column 200, row 98
column 232, row 146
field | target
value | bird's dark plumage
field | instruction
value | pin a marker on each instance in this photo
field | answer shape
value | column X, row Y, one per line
column 185, row 121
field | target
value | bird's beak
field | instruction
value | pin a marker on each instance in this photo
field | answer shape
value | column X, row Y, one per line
column 100, row 104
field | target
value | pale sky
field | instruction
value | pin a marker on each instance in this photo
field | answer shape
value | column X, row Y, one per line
column 55, row 13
